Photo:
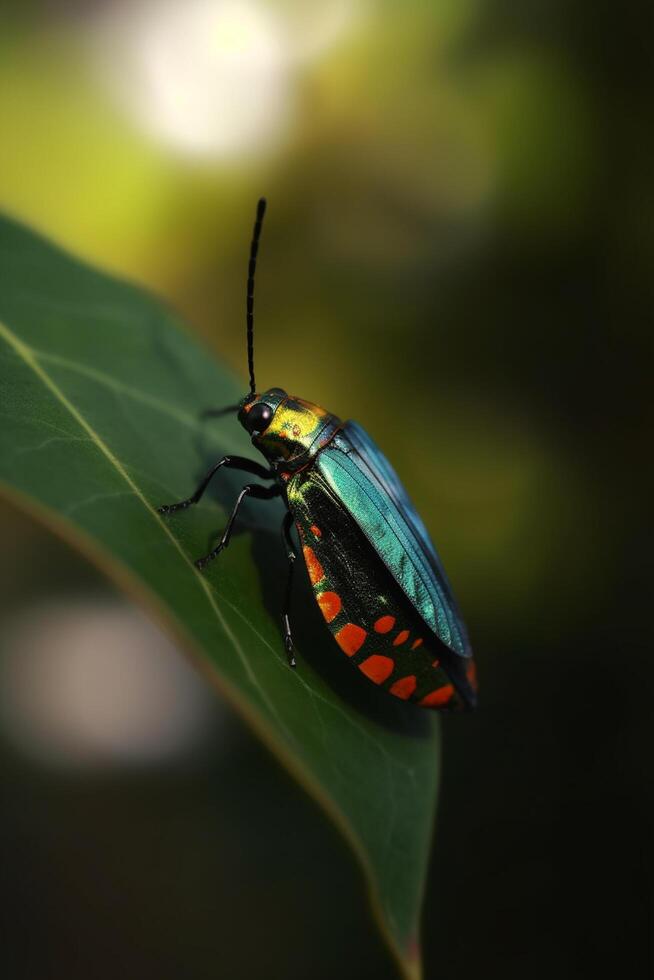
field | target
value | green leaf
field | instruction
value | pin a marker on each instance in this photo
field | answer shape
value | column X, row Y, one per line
column 103, row 407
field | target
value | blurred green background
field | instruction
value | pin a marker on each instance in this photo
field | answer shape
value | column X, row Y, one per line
column 461, row 202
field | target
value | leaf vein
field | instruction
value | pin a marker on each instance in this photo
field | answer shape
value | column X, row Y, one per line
column 31, row 360
column 119, row 387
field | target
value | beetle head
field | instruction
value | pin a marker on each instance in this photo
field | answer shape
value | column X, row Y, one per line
column 286, row 429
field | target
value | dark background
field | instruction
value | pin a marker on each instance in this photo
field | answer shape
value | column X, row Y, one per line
column 458, row 254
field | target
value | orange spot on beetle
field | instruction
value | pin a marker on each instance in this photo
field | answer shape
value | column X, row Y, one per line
column 436, row 699
column 436, row 663
column 385, row 624
column 377, row 668
column 401, row 638
column 417, row 643
column 471, row 673
column 330, row 604
column 350, row 638
column 317, row 533
column 404, row 688
column 315, row 569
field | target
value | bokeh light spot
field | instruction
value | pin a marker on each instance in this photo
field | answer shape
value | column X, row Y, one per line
column 91, row 684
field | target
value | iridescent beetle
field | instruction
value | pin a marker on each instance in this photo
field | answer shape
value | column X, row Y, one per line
column 375, row 573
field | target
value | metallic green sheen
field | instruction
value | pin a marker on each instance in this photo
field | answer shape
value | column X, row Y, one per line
column 366, row 485
column 366, row 589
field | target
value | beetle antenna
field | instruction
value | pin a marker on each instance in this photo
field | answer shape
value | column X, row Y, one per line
column 252, row 265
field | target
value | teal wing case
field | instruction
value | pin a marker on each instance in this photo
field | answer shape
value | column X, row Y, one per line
column 365, row 483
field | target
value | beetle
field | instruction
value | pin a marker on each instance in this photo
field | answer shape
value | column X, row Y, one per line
column 375, row 573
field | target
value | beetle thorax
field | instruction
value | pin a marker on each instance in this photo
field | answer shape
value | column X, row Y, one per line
column 292, row 432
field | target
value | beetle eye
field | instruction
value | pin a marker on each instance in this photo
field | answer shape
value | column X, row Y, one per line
column 257, row 419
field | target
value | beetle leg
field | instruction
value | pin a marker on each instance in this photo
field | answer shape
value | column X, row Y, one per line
column 231, row 462
column 287, row 524
column 217, row 413
column 252, row 490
